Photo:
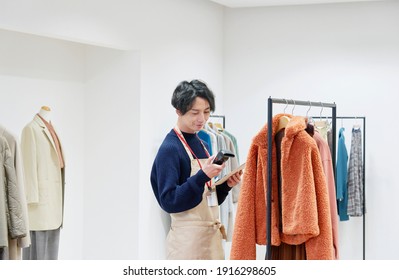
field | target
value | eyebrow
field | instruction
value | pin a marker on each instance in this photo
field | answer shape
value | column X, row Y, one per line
column 197, row 110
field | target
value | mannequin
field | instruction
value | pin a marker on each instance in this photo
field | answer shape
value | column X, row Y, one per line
column 45, row 113
column 44, row 170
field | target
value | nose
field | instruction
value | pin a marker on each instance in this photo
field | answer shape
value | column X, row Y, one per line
column 201, row 118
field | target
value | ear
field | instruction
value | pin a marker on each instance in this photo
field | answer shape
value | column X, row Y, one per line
column 178, row 112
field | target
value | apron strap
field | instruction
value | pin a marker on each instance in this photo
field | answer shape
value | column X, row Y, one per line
column 180, row 135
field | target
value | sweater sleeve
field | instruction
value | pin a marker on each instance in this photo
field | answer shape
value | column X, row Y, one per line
column 174, row 192
column 222, row 192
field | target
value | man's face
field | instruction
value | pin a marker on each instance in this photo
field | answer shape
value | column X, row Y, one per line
column 195, row 119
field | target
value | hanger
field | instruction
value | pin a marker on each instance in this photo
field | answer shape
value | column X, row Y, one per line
column 309, row 119
column 285, row 105
column 293, row 107
column 284, row 120
column 356, row 125
column 307, row 112
column 321, row 111
column 218, row 126
column 320, row 124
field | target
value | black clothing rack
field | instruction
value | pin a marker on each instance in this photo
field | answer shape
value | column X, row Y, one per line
column 271, row 101
column 364, row 172
column 221, row 117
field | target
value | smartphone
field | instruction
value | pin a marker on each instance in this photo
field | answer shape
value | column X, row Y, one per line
column 222, row 156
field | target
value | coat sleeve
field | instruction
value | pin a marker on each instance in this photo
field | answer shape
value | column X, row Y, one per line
column 305, row 202
column 244, row 236
column 16, row 225
column 298, row 194
column 321, row 247
column 28, row 150
column 14, row 249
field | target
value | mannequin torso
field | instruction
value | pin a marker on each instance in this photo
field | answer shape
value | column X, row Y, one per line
column 45, row 113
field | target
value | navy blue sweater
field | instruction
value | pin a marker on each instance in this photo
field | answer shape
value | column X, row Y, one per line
column 173, row 187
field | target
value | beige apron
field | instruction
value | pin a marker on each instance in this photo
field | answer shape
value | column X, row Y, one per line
column 196, row 234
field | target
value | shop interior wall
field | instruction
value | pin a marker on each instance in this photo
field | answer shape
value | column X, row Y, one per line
column 342, row 53
column 112, row 149
column 37, row 71
column 94, row 96
column 177, row 40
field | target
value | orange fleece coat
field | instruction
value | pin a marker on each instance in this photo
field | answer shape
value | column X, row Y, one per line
column 304, row 196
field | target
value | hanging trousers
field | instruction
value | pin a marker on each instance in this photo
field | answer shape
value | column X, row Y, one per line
column 44, row 245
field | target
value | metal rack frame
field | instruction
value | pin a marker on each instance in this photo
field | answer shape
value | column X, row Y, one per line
column 364, row 171
column 271, row 101
column 221, row 117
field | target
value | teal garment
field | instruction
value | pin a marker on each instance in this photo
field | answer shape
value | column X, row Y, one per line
column 203, row 135
column 234, row 140
column 342, row 175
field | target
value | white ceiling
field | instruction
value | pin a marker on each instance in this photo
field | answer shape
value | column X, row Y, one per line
column 259, row 3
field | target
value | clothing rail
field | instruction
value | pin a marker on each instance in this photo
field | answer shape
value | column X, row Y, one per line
column 271, row 101
column 364, row 170
column 221, row 117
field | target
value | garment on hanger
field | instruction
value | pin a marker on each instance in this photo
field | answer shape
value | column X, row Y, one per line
column 15, row 245
column 205, row 136
column 284, row 251
column 355, row 175
column 227, row 208
column 224, row 140
column 342, row 174
column 236, row 190
column 11, row 217
column 329, row 172
column 305, row 207
column 323, row 126
column 325, row 130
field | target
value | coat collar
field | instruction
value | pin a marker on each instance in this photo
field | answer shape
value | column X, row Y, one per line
column 46, row 131
column 261, row 138
column 295, row 125
column 39, row 121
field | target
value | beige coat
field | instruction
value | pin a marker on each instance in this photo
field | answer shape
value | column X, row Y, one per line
column 44, row 180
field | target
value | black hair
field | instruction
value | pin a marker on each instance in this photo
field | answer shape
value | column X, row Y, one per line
column 185, row 93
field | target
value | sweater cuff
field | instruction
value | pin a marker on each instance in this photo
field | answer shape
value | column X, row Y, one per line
column 224, row 188
column 201, row 178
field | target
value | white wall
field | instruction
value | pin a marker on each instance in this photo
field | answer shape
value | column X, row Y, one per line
column 111, row 152
column 177, row 40
column 52, row 76
column 342, row 53
column 94, row 96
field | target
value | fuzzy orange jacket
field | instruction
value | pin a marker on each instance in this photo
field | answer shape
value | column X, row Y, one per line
column 304, row 196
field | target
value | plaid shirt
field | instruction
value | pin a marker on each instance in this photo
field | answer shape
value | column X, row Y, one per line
column 355, row 175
